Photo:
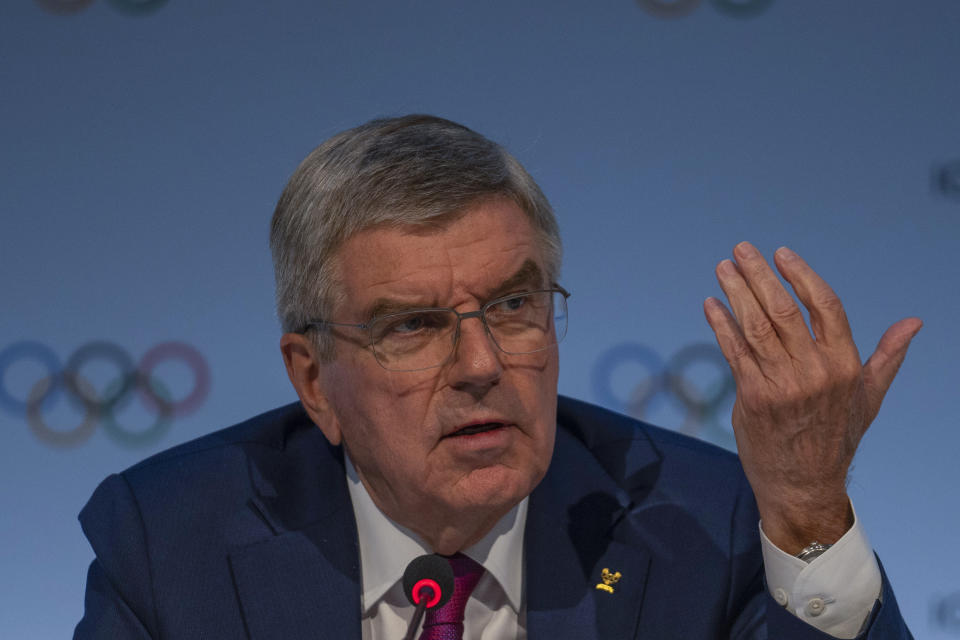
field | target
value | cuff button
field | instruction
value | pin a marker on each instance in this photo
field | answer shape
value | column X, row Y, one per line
column 815, row 607
column 781, row 597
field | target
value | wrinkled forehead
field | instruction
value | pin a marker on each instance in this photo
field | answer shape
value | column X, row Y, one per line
column 481, row 252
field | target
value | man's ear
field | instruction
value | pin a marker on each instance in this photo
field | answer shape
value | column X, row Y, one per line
column 303, row 369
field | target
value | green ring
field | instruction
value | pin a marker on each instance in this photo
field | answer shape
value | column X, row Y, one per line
column 152, row 434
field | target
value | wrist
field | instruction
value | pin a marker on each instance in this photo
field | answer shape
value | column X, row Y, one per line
column 794, row 527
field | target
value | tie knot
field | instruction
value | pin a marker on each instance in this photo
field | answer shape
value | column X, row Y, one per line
column 465, row 570
column 446, row 622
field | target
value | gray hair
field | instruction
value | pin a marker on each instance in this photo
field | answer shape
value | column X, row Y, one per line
column 415, row 170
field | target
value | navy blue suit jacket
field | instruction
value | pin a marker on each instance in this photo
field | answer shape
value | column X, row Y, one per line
column 249, row 533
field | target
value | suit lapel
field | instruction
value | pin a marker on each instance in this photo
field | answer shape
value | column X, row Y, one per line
column 576, row 529
column 289, row 588
column 300, row 577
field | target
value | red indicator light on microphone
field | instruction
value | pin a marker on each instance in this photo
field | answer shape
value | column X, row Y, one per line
column 434, row 595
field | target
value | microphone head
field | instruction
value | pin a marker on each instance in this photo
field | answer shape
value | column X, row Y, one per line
column 430, row 570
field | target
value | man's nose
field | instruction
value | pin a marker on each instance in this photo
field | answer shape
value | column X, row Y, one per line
column 476, row 362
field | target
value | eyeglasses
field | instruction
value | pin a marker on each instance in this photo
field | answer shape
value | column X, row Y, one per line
column 420, row 339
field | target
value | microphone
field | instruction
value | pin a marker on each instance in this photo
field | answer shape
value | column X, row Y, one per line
column 427, row 583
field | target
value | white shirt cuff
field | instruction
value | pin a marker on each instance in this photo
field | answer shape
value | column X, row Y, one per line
column 836, row 592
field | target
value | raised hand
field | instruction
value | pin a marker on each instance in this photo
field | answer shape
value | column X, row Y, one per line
column 803, row 402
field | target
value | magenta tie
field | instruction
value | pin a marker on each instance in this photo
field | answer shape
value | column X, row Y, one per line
column 446, row 622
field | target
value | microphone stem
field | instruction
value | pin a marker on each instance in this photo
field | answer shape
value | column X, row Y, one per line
column 426, row 594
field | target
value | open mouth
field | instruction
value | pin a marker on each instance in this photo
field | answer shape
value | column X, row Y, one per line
column 474, row 429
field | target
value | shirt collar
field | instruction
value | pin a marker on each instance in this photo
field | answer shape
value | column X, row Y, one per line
column 387, row 547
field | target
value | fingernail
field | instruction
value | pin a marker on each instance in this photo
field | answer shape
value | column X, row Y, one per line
column 747, row 250
column 727, row 268
column 786, row 254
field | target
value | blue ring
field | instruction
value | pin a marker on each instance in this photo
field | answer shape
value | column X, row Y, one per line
column 37, row 351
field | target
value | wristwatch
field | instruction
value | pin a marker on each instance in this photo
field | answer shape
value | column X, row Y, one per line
column 813, row 551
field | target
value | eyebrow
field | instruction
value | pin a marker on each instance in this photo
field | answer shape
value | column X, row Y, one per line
column 528, row 275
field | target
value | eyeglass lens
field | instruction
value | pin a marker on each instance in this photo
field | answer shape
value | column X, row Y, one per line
column 524, row 323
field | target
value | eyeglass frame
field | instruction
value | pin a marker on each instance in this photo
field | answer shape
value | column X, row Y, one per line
column 479, row 313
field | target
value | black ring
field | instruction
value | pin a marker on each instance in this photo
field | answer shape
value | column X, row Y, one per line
column 107, row 351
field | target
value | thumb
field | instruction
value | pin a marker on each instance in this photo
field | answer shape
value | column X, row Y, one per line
column 882, row 366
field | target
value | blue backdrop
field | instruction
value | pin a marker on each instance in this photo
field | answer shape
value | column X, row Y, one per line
column 143, row 144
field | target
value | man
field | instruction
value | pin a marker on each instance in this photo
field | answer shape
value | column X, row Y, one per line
column 416, row 267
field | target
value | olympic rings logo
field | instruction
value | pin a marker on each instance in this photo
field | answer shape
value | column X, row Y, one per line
column 101, row 408
column 701, row 403
column 133, row 7
column 680, row 8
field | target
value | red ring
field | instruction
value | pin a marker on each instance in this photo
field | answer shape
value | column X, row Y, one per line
column 193, row 359
column 427, row 582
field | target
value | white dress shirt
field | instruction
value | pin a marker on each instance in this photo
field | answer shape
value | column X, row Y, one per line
column 834, row 593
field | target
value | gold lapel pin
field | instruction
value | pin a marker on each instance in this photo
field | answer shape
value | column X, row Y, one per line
column 609, row 579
